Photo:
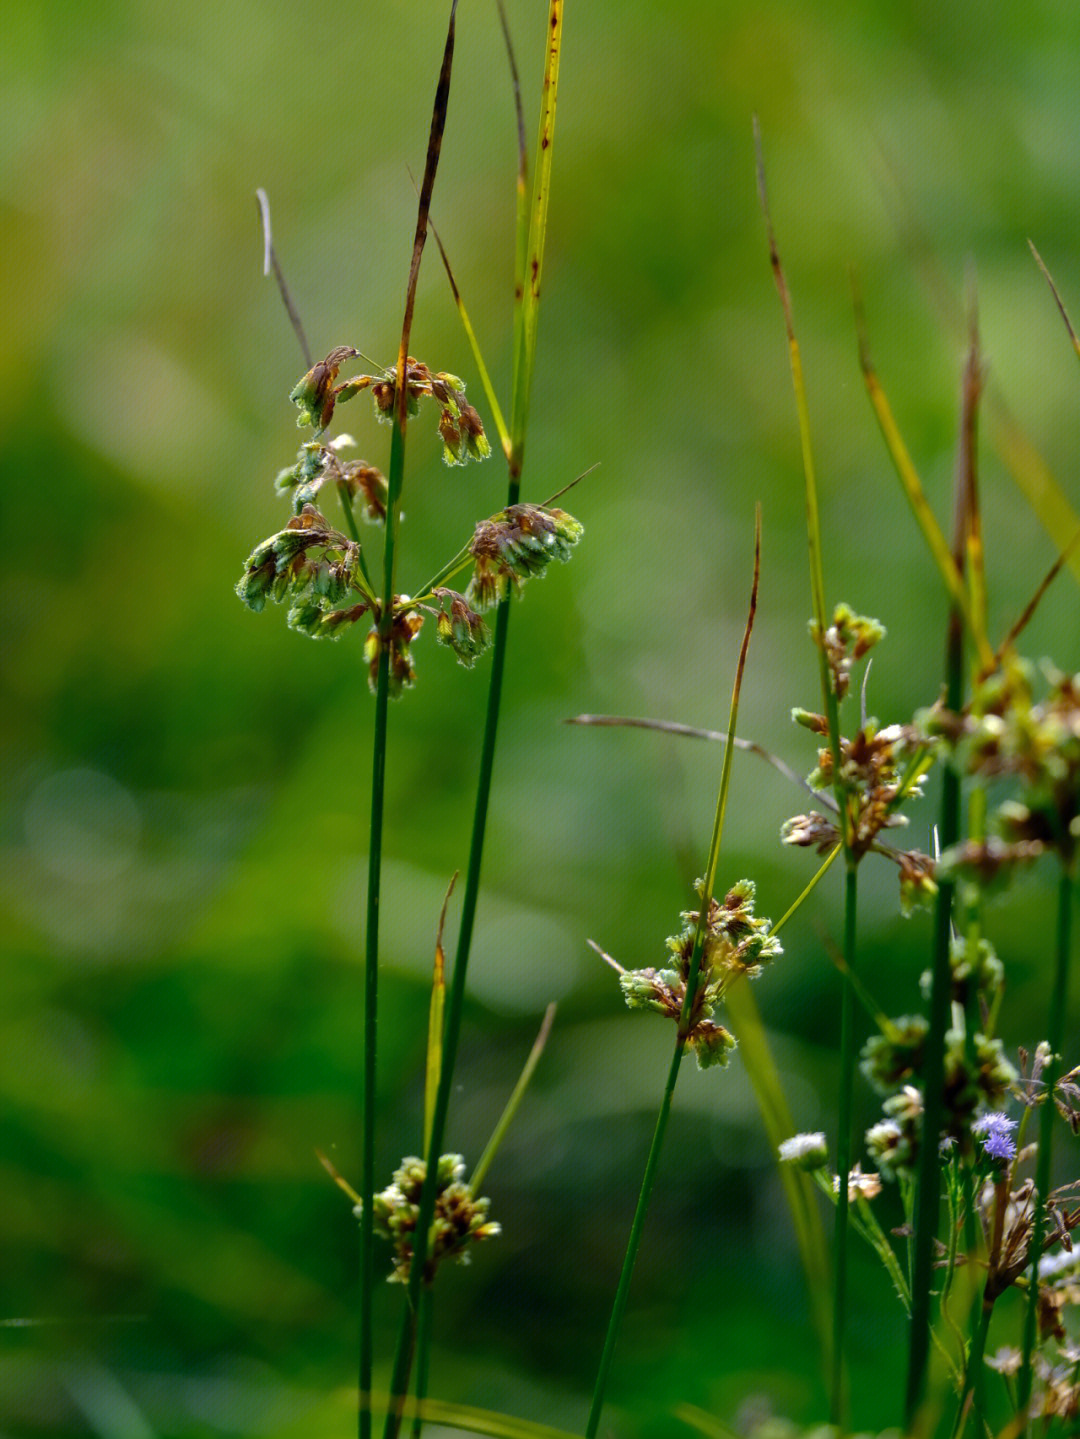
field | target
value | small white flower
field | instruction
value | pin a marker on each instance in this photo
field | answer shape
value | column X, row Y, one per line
column 808, row 1151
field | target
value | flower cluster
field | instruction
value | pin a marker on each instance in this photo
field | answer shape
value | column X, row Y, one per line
column 319, row 464
column 515, row 545
column 875, row 776
column 736, row 943
column 1007, row 734
column 404, row 627
column 977, row 975
column 879, row 768
column 460, row 426
column 460, row 627
column 994, row 1132
column 309, row 564
column 460, row 1218
column 977, row 1077
column 849, row 638
column 322, row 574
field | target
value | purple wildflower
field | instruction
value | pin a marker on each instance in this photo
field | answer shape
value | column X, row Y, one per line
column 996, row 1133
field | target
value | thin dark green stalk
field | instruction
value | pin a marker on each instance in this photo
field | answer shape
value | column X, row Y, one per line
column 395, row 480
column 530, row 239
column 454, row 1007
column 685, row 1021
column 966, row 547
column 371, row 946
column 971, row 1395
column 634, row 1241
column 1055, row 1039
column 423, row 1348
column 927, row 1201
column 837, row 1405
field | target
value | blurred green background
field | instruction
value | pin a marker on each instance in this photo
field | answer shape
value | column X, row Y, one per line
column 186, row 784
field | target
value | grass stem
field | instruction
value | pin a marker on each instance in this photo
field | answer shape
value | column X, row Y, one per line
column 1055, row 1037
column 693, row 974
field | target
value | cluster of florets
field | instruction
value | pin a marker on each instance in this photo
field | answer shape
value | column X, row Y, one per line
column 320, row 464
column 460, row 1218
column 849, row 638
column 460, row 426
column 309, row 564
column 1006, row 734
column 321, row 573
column 404, row 627
column 994, row 1132
column 977, row 1077
column 736, row 943
column 977, row 975
column 515, row 545
column 874, row 778
column 460, row 627
column 879, row 768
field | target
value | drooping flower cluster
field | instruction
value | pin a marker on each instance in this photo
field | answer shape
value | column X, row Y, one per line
column 460, row 627
column 515, row 545
column 404, row 627
column 737, row 943
column 460, row 1218
column 309, row 564
column 320, row 464
column 321, row 574
column 460, row 426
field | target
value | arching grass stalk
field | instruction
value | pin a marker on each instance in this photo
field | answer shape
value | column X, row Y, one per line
column 830, row 703
column 1055, row 1035
column 395, row 480
column 685, row 1018
column 531, row 231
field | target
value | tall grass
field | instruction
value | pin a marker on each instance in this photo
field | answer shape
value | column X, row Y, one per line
column 984, row 1210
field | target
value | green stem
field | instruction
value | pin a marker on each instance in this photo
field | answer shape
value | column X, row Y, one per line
column 634, row 1242
column 928, row 1198
column 686, row 1016
column 1055, row 1039
column 423, row 1355
column 837, row 1406
column 454, row 1008
column 970, row 1403
column 371, row 945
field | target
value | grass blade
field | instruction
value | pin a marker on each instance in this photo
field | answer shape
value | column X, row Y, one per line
column 798, row 1187
column 474, row 346
column 514, row 1102
column 435, row 1022
column 530, row 268
column 938, row 546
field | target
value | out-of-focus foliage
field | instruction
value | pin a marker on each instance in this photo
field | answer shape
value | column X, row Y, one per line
column 185, row 783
